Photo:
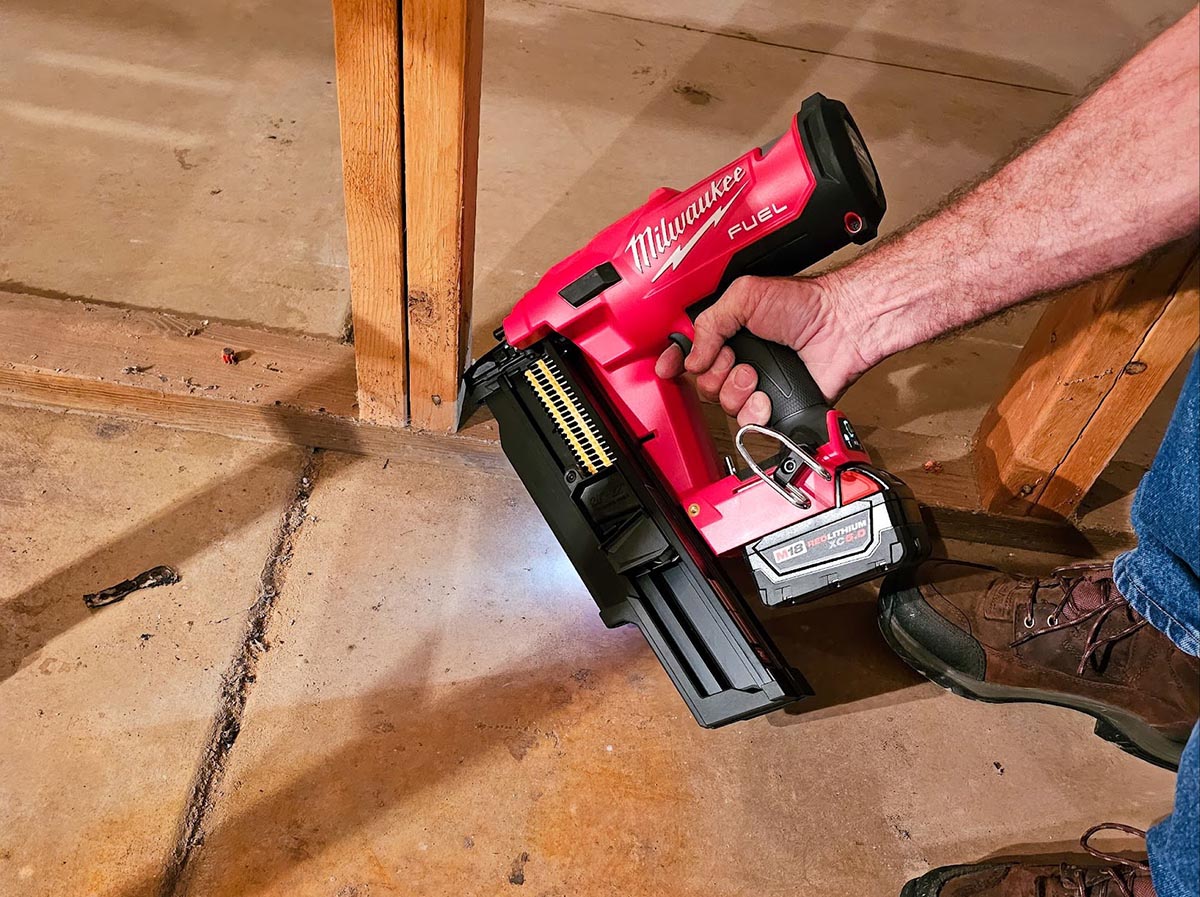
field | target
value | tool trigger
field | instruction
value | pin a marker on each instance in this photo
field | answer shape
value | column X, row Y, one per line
column 682, row 342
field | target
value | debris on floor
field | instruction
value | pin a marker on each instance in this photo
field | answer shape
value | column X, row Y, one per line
column 155, row 576
column 229, row 356
column 697, row 96
column 517, row 875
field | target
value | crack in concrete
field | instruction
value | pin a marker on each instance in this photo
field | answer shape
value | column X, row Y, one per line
column 236, row 684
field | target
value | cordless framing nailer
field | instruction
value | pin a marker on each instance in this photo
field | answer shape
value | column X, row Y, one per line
column 619, row 461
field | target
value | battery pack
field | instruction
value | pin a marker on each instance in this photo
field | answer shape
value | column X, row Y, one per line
column 844, row 546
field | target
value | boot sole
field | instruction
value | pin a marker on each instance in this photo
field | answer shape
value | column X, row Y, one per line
column 1126, row 731
column 931, row 883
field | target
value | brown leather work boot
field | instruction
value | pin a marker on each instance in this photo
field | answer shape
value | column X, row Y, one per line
column 1119, row 877
column 1068, row 639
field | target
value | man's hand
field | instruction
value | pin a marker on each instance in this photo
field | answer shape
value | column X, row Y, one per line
column 806, row 314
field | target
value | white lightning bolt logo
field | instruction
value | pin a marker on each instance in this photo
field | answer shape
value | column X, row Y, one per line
column 673, row 261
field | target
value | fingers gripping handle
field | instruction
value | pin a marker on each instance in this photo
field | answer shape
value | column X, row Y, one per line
column 798, row 406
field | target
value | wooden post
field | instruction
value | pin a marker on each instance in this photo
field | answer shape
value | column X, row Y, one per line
column 1096, row 359
column 366, row 43
column 442, row 53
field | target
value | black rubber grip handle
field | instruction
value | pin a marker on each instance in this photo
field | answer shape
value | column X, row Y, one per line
column 798, row 406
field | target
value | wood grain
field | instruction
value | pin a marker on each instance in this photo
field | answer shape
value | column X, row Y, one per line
column 442, row 53
column 144, row 366
column 1095, row 361
column 366, row 44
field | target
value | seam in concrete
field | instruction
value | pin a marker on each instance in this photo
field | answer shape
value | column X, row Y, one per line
column 236, row 683
column 753, row 39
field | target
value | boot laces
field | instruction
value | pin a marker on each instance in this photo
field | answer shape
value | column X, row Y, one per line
column 1099, row 882
column 1067, row 614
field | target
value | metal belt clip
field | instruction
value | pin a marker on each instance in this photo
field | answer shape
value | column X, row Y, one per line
column 791, row 494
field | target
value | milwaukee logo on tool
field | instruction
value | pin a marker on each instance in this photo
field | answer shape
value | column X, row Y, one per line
column 652, row 242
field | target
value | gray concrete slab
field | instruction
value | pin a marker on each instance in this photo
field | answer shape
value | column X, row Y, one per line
column 179, row 157
column 441, row 710
column 584, row 114
column 105, row 713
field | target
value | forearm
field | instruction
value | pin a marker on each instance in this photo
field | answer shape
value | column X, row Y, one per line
column 1114, row 180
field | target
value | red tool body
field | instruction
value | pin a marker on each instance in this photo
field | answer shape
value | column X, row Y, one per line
column 620, row 461
column 669, row 253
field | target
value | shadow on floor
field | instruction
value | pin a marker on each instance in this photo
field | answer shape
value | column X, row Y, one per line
column 835, row 643
column 53, row 605
column 173, row 536
column 1051, row 853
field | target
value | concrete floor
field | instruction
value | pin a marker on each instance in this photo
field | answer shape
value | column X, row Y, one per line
column 434, row 708
column 437, row 708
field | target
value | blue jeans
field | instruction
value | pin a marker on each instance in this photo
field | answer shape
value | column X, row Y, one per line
column 1161, row 580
